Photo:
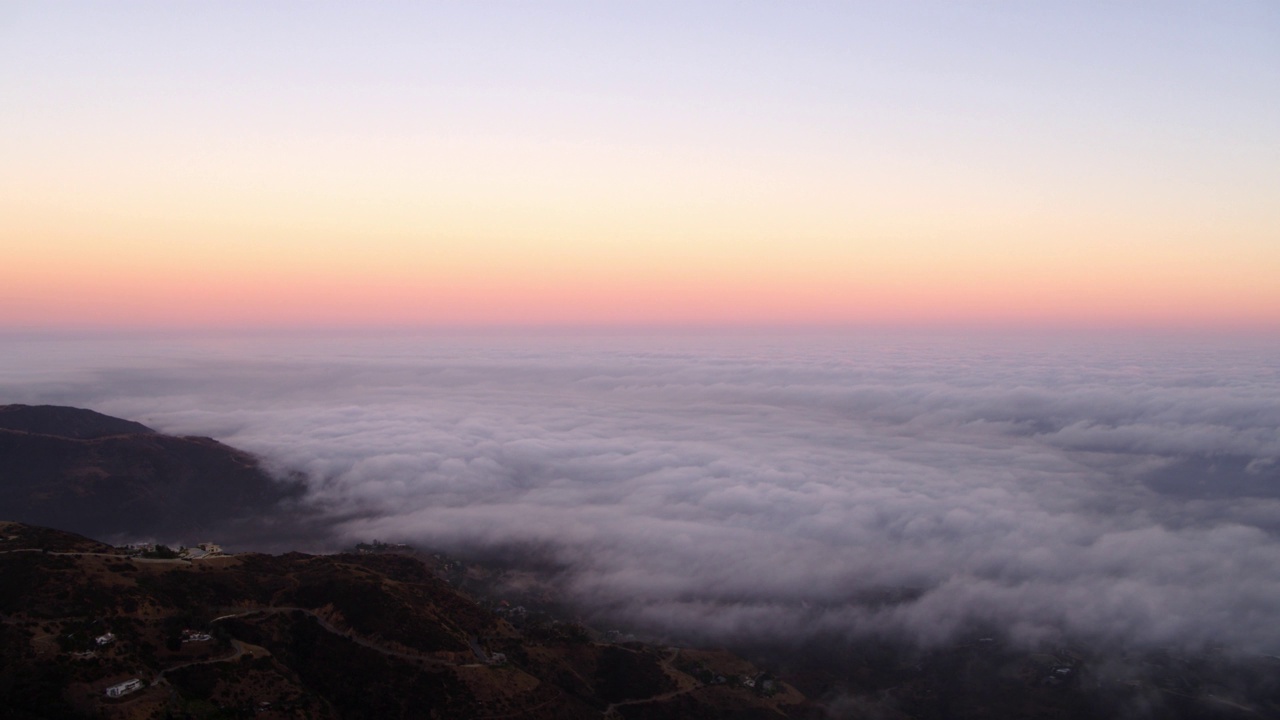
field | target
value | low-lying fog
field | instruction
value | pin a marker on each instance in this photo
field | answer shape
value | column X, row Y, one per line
column 1122, row 489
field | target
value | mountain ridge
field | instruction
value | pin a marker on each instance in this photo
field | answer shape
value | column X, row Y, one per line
column 66, row 422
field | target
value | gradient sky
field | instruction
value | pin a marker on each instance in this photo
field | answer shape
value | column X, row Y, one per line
column 227, row 164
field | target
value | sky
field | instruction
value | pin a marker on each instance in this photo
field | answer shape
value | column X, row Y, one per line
column 321, row 165
column 1114, row 490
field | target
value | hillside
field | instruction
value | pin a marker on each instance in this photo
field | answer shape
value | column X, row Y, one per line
column 302, row 636
column 106, row 477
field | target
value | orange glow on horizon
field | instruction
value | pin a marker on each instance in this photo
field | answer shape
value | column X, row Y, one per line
column 316, row 296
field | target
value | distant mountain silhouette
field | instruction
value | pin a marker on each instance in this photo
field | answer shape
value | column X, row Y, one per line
column 106, row 477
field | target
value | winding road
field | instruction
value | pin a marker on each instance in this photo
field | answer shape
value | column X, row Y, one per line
column 348, row 634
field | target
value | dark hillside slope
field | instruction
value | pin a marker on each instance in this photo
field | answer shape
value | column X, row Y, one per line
column 303, row 636
column 106, row 477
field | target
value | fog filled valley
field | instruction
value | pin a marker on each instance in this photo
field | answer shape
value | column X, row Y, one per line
column 877, row 516
column 1113, row 493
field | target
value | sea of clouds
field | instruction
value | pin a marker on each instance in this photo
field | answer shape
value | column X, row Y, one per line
column 730, row 485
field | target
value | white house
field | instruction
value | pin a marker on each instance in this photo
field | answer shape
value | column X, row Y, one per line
column 106, row 639
column 124, row 688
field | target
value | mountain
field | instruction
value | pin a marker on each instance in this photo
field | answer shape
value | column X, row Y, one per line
column 107, row 477
column 333, row 636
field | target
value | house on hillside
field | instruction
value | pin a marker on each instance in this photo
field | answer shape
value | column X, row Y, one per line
column 105, row 639
column 124, row 688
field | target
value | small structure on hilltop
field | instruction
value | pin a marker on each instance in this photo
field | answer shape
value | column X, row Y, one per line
column 105, row 639
column 378, row 546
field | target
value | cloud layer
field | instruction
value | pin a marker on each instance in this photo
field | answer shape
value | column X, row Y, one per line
column 1125, row 490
